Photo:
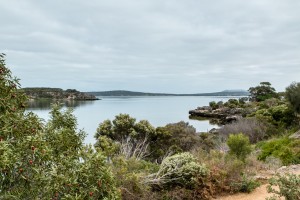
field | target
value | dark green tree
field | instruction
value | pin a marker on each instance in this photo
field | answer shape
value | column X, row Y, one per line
column 292, row 94
column 262, row 92
column 124, row 127
column 124, row 136
column 183, row 135
column 173, row 138
column 126, row 132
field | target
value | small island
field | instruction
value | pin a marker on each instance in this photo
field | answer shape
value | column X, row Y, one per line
column 57, row 93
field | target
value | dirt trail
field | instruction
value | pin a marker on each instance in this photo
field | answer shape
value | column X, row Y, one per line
column 261, row 193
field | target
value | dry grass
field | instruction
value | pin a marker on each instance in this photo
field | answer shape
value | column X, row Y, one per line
column 255, row 130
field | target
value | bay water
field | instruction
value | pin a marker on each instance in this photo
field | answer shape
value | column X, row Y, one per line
column 159, row 111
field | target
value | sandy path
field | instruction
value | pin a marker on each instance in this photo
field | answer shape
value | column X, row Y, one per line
column 260, row 193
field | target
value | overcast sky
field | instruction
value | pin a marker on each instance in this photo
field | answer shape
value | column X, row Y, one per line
column 178, row 46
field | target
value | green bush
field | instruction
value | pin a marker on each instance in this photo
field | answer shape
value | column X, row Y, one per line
column 213, row 105
column 239, row 145
column 286, row 149
column 247, row 184
column 129, row 175
column 289, row 187
column 279, row 116
column 232, row 103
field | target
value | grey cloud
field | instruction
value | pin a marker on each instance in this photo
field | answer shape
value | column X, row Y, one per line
column 152, row 45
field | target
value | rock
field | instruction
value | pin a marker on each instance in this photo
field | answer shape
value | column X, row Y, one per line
column 295, row 169
column 222, row 110
column 232, row 118
column 214, row 131
column 208, row 108
column 224, row 115
column 260, row 177
column 282, row 168
column 207, row 112
column 295, row 135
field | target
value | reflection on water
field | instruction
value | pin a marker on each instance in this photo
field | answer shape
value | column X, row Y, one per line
column 212, row 121
column 45, row 104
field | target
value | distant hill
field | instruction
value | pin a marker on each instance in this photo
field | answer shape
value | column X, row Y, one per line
column 127, row 93
column 131, row 93
column 225, row 93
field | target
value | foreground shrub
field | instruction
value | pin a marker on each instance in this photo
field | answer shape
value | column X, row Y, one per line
column 129, row 175
column 46, row 161
column 246, row 184
column 239, row 146
column 227, row 174
column 289, row 187
column 53, row 163
column 286, row 149
column 177, row 170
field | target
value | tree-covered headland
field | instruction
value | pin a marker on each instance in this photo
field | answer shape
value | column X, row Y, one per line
column 134, row 160
column 57, row 93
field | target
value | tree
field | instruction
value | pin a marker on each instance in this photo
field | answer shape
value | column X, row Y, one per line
column 124, row 127
column 173, row 138
column 132, row 138
column 292, row 94
column 141, row 138
column 46, row 161
column 183, row 135
column 262, row 92
column 239, row 145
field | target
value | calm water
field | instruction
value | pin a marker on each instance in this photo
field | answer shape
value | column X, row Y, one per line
column 159, row 111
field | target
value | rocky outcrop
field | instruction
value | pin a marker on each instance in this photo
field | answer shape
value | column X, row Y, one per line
column 225, row 115
column 291, row 169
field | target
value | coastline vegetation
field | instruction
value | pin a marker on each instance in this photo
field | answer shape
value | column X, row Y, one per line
column 134, row 160
column 56, row 93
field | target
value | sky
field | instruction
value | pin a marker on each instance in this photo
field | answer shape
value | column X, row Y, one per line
column 174, row 46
